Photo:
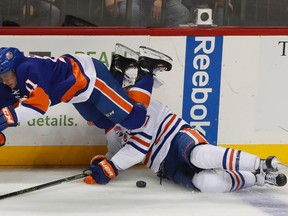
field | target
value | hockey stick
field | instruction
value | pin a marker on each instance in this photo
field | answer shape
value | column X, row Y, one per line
column 49, row 184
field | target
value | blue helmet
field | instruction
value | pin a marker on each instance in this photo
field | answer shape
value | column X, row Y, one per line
column 10, row 58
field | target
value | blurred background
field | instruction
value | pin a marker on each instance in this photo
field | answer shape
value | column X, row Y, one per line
column 143, row 13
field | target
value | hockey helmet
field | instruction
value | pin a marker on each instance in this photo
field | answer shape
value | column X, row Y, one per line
column 10, row 58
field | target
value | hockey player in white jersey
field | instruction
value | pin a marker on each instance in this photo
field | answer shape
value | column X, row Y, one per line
column 173, row 150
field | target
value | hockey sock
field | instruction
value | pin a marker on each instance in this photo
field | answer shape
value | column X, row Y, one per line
column 142, row 90
column 209, row 157
column 220, row 181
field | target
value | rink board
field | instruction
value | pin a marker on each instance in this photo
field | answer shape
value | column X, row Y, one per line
column 229, row 84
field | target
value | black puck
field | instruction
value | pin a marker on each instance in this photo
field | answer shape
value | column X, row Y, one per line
column 141, row 184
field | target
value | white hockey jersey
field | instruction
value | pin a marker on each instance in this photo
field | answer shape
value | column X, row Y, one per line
column 148, row 144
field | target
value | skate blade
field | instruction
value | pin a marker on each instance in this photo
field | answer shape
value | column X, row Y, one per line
column 281, row 166
column 151, row 53
column 125, row 51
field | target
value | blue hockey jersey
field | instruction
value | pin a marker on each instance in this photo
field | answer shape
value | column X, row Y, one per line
column 44, row 82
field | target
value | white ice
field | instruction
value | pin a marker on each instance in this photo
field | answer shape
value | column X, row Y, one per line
column 122, row 197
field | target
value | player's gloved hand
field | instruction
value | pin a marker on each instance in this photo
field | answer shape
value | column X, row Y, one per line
column 8, row 118
column 96, row 159
column 102, row 169
column 2, row 139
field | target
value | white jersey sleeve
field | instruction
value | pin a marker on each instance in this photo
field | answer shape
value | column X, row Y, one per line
column 150, row 143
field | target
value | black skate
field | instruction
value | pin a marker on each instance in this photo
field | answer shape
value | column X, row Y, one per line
column 276, row 179
column 271, row 164
column 151, row 61
column 268, row 172
column 123, row 59
column 125, row 63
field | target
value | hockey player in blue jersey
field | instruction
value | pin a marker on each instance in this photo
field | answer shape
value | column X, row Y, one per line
column 78, row 79
column 171, row 148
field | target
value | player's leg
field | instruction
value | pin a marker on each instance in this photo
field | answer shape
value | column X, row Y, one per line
column 90, row 114
column 124, row 68
column 220, row 181
column 113, row 102
column 150, row 62
column 209, row 156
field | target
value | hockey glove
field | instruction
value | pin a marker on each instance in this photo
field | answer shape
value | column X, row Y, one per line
column 2, row 139
column 102, row 171
column 8, row 118
column 96, row 159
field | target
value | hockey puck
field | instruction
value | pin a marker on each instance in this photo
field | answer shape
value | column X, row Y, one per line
column 141, row 184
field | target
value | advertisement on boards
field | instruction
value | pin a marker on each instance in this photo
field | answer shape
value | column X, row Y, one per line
column 203, row 66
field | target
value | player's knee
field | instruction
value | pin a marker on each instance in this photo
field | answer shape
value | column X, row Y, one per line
column 211, row 181
column 136, row 117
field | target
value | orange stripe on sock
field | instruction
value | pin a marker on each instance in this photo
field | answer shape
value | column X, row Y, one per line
column 231, row 159
column 139, row 97
column 237, row 179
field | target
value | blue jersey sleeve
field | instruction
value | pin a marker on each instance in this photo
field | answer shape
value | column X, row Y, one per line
column 6, row 96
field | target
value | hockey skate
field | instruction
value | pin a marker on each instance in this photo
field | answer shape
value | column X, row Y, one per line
column 276, row 179
column 268, row 172
column 272, row 178
column 125, row 61
column 151, row 61
column 271, row 164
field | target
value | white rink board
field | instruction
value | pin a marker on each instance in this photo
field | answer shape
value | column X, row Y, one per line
column 253, row 105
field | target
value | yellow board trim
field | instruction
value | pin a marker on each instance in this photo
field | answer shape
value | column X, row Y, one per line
column 80, row 155
column 48, row 155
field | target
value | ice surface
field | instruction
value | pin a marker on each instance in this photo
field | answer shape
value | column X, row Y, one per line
column 122, row 197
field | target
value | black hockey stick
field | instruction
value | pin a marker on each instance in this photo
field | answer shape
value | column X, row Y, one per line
column 49, row 184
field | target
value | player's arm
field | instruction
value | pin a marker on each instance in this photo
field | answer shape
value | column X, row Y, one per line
column 34, row 106
column 103, row 169
column 127, row 157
